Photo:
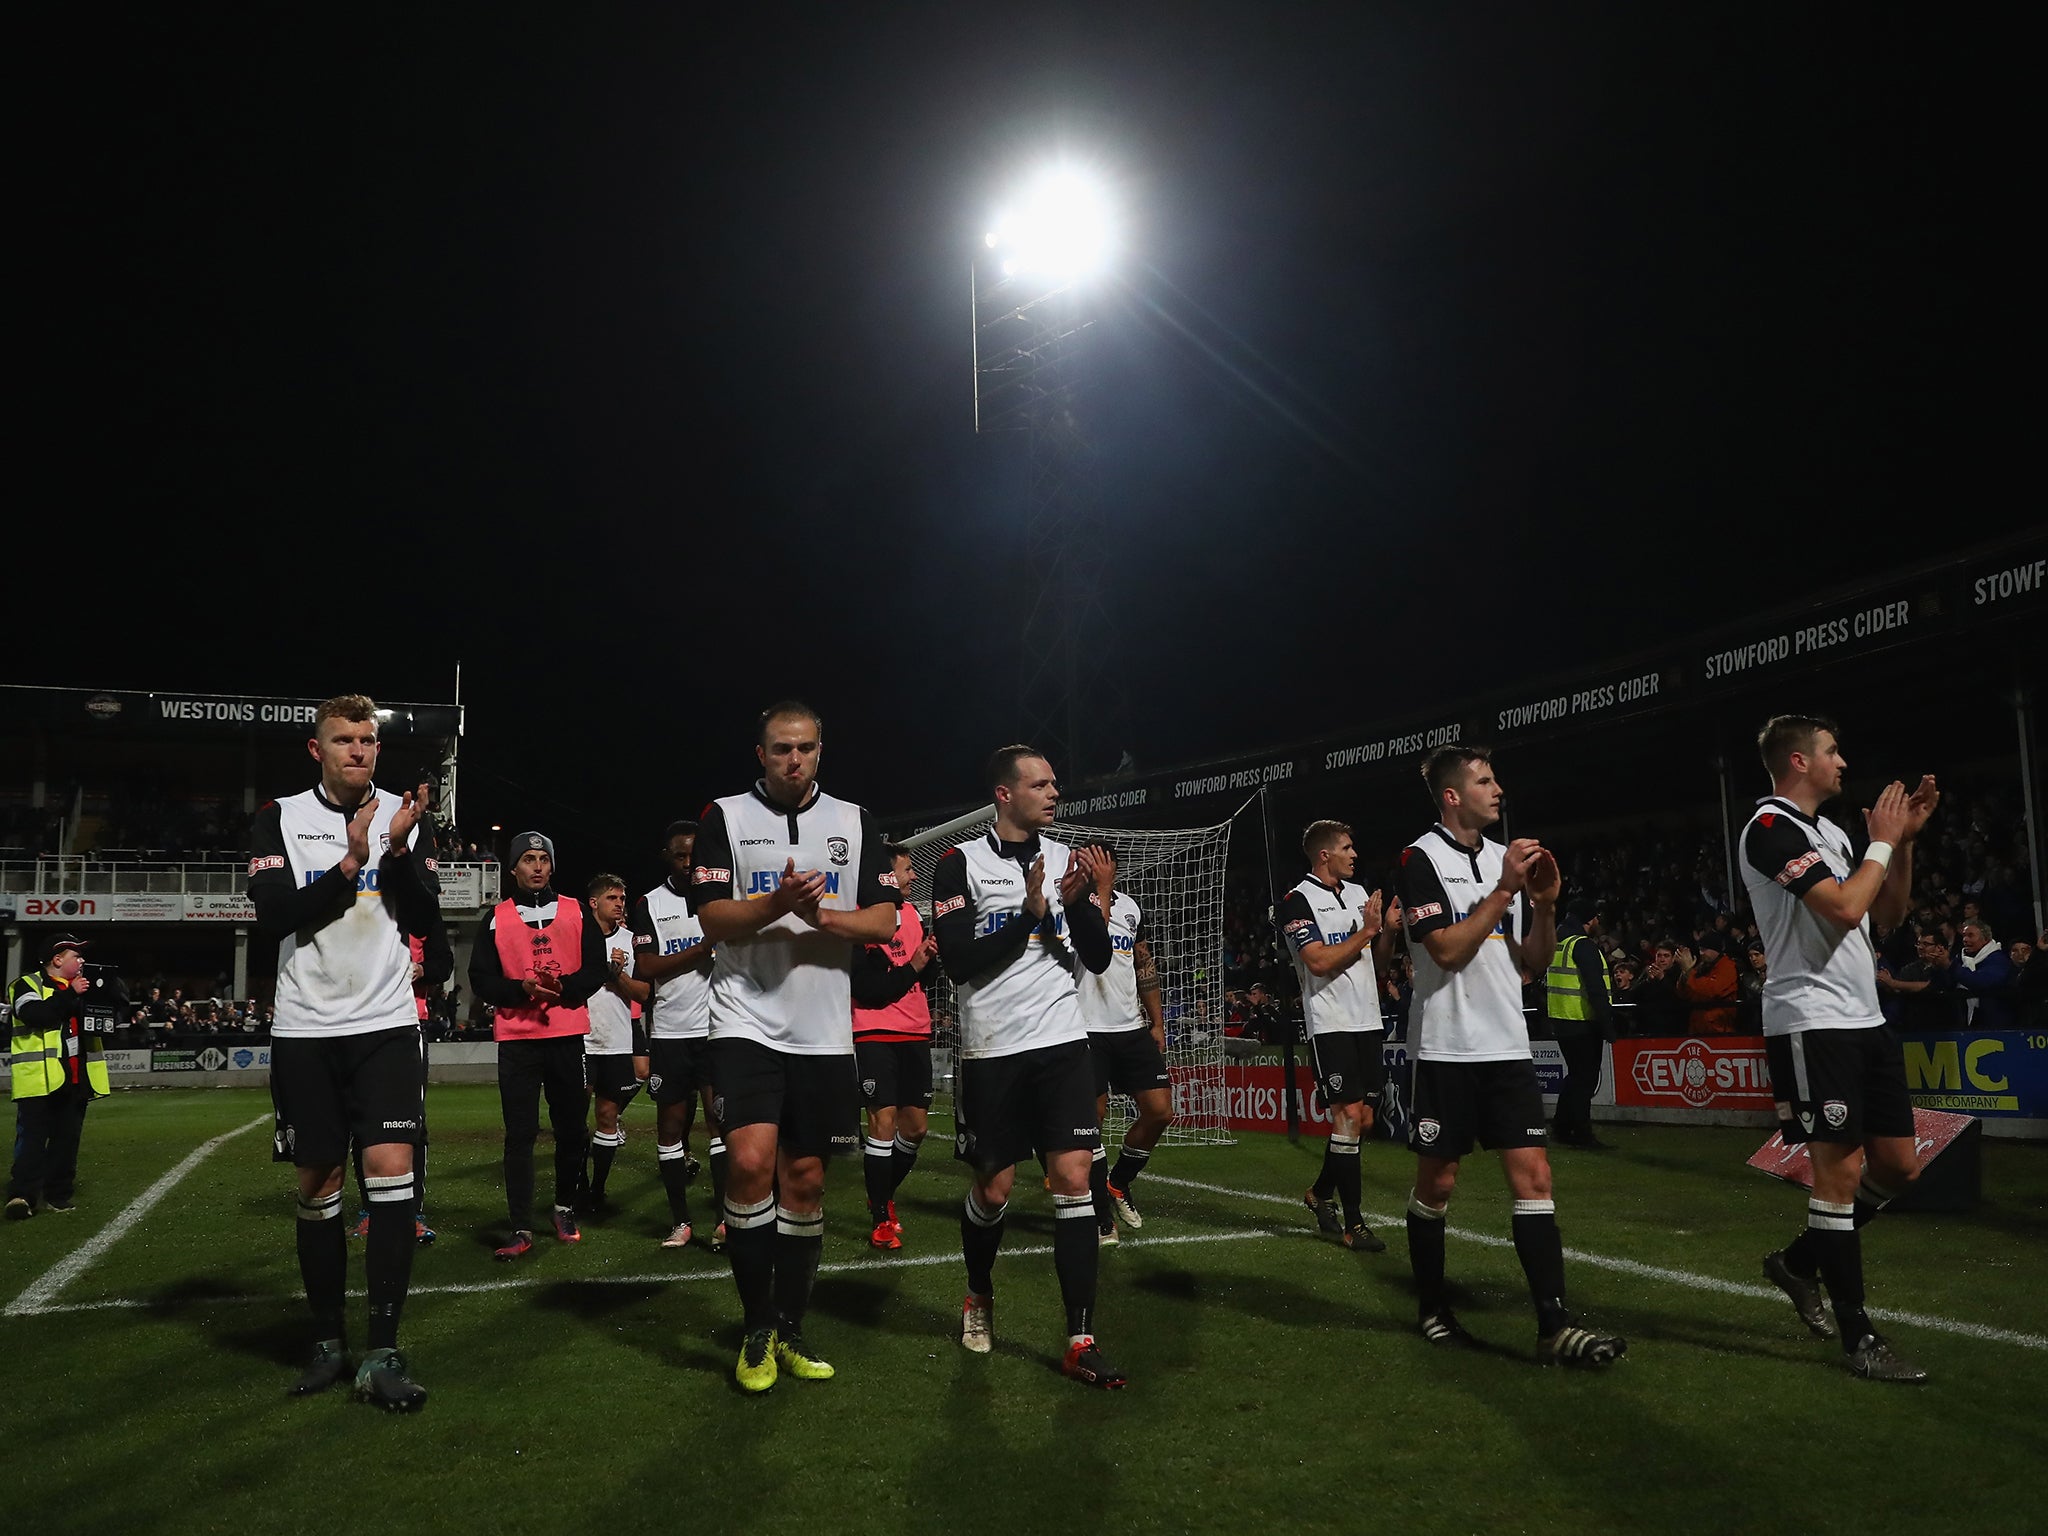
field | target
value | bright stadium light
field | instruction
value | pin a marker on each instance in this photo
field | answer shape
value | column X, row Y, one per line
column 1062, row 227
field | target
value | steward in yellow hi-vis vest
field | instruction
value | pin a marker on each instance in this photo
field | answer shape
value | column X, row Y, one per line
column 1579, row 999
column 58, row 1069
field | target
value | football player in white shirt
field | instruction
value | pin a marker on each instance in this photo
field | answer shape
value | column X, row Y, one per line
column 782, row 1020
column 613, row 1054
column 1016, row 916
column 1337, row 937
column 1837, row 1074
column 1127, row 1041
column 1474, row 1075
column 669, row 952
column 345, row 1048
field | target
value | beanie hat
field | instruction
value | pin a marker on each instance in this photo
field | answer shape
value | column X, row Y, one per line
column 526, row 842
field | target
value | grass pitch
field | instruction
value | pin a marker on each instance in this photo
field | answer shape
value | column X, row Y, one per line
column 1276, row 1379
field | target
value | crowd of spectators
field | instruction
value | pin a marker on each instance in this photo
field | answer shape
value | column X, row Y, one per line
column 143, row 821
column 165, row 1016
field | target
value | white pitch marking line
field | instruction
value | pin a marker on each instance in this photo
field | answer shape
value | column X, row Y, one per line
column 67, row 1269
column 522, row 1282
column 1655, row 1272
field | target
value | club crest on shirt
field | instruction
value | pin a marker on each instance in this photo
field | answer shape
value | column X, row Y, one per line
column 654, row 1082
column 837, row 848
column 1337, row 1081
column 1427, row 1130
column 718, row 1108
column 1836, row 1113
column 867, row 1086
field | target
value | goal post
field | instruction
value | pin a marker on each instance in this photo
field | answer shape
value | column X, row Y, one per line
column 1176, row 876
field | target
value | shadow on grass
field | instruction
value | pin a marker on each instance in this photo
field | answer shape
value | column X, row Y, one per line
column 1786, row 1343
column 279, row 1336
column 1280, row 1302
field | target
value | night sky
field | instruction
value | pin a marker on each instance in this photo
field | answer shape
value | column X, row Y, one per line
column 624, row 358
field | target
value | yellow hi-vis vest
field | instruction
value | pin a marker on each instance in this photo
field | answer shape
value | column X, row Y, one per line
column 1564, row 991
column 40, row 1056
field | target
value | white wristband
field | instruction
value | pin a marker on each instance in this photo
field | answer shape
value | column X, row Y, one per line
column 1879, row 854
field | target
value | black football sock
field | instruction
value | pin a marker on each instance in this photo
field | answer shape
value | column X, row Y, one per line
column 902, row 1158
column 1803, row 1258
column 1838, row 1249
column 750, row 1239
column 1098, row 1186
column 1076, row 1256
column 1130, row 1163
column 1426, row 1254
column 715, row 1155
column 604, row 1149
column 1540, row 1247
column 1342, row 1155
column 387, row 1258
column 878, row 1166
column 671, row 1162
column 323, row 1262
column 1326, row 1178
column 1871, row 1197
column 981, row 1234
column 799, row 1239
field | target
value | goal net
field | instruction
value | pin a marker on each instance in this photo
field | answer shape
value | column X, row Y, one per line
column 1176, row 877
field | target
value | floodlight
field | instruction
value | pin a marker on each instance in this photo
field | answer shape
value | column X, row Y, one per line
column 1060, row 228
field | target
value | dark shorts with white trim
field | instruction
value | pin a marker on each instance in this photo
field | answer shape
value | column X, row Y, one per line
column 1839, row 1085
column 1008, row 1109
column 813, row 1101
column 1453, row 1105
column 1127, row 1061
column 1349, row 1065
column 327, row 1092
column 613, row 1079
column 678, row 1068
column 894, row 1074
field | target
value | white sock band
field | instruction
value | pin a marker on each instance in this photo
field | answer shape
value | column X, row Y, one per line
column 800, row 1223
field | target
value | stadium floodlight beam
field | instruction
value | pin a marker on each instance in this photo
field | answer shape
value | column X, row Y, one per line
column 1034, row 295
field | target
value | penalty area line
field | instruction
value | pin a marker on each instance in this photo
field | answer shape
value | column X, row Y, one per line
column 684, row 1277
column 38, row 1296
column 1641, row 1271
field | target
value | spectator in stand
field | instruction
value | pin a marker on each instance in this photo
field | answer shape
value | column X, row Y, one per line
column 1397, row 992
column 2030, row 991
column 1622, row 975
column 1263, row 1017
column 1708, row 987
column 1659, row 1011
column 1916, row 998
column 1985, row 977
column 1750, row 1008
